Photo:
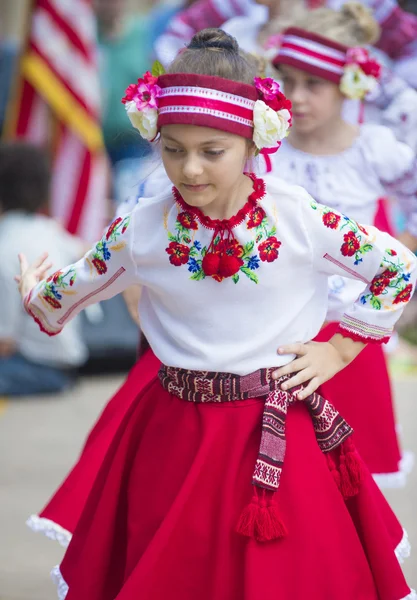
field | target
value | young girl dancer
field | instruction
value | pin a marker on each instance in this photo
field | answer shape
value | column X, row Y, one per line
column 348, row 168
column 375, row 429
column 170, row 513
column 393, row 102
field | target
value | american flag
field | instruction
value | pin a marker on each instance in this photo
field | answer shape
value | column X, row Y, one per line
column 57, row 104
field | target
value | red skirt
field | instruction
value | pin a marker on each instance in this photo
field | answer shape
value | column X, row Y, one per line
column 160, row 519
column 362, row 394
column 60, row 516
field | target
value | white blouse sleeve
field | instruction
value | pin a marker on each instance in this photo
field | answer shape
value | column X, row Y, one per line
column 341, row 246
column 106, row 270
column 395, row 165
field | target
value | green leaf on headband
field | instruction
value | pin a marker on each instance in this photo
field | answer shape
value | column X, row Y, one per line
column 157, row 69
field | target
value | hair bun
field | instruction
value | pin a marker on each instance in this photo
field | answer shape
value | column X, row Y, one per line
column 212, row 38
column 368, row 30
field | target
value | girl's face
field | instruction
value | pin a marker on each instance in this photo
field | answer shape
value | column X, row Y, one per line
column 204, row 164
column 316, row 102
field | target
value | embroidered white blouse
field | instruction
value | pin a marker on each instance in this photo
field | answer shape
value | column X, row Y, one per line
column 263, row 285
column 352, row 182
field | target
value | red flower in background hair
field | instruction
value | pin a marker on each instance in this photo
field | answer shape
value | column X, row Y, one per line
column 360, row 56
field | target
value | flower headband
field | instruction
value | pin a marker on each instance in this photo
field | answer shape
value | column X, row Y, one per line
column 352, row 68
column 260, row 113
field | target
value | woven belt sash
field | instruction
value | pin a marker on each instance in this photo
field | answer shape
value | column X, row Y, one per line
column 330, row 428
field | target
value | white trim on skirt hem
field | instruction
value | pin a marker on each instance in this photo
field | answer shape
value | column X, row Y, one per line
column 52, row 530
column 402, row 552
column 398, row 479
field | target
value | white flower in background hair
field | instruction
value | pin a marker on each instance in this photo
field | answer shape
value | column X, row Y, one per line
column 141, row 103
column 361, row 74
column 271, row 115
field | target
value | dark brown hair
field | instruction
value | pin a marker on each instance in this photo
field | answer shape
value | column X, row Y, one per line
column 24, row 177
column 214, row 52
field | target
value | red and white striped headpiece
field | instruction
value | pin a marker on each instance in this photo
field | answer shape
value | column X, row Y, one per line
column 312, row 53
column 208, row 101
column 258, row 112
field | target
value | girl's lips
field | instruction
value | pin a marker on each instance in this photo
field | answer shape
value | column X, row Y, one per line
column 195, row 188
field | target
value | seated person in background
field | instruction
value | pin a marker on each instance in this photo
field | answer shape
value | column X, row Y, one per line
column 30, row 362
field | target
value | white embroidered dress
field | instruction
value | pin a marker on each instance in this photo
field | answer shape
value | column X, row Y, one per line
column 286, row 247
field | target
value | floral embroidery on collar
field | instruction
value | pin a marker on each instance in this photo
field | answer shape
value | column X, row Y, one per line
column 225, row 257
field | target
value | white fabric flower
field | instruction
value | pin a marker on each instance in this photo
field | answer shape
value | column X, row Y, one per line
column 355, row 84
column 270, row 127
column 145, row 121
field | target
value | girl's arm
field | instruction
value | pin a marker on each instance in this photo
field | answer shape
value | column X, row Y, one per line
column 106, row 270
column 395, row 164
column 397, row 101
column 388, row 271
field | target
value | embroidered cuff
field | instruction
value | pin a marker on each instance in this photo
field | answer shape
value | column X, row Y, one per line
column 38, row 316
column 360, row 331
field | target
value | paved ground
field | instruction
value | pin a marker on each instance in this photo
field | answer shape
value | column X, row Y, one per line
column 40, row 439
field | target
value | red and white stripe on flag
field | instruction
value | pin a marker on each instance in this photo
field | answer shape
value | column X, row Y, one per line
column 58, row 103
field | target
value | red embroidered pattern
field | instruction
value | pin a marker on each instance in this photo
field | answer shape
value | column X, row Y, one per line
column 258, row 193
column 225, row 257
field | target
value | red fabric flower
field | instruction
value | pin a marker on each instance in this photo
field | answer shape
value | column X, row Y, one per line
column 268, row 250
column 99, row 265
column 404, row 295
column 372, row 68
column 279, row 103
column 187, row 220
column 52, row 301
column 379, row 284
column 113, row 227
column 179, row 253
column 331, row 220
column 351, row 245
column 256, row 216
column 130, row 93
column 218, row 278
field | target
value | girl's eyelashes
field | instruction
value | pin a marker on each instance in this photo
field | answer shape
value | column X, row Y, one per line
column 172, row 150
column 214, row 152
column 211, row 153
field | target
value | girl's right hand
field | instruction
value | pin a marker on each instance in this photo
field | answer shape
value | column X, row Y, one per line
column 32, row 274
